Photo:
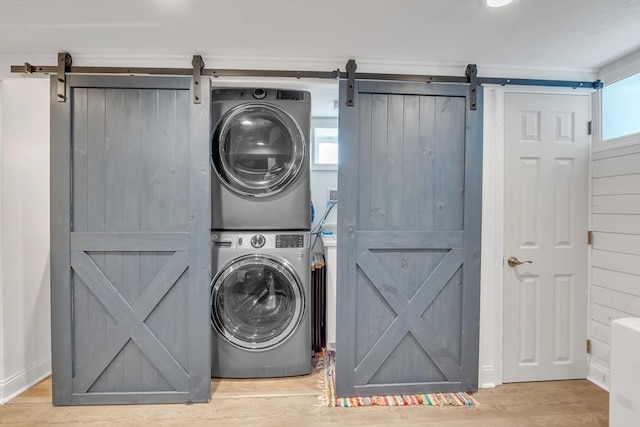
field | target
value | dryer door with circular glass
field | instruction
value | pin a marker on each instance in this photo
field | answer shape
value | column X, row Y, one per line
column 257, row 302
column 258, row 150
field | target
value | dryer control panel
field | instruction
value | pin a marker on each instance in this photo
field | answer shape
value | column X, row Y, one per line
column 260, row 94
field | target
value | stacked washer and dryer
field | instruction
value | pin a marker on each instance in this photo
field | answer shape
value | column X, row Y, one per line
column 261, row 224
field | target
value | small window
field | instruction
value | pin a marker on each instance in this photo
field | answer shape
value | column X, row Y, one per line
column 324, row 137
column 621, row 108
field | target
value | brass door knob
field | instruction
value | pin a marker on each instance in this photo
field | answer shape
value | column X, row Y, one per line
column 513, row 261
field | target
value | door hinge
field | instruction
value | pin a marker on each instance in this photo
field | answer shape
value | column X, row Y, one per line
column 589, row 127
column 589, row 237
column 588, row 346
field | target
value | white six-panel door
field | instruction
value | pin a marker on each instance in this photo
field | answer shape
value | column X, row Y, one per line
column 546, row 220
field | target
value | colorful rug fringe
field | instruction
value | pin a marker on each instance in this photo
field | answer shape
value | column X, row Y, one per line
column 429, row 399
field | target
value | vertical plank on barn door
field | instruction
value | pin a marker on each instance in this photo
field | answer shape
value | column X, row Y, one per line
column 409, row 240
column 130, row 241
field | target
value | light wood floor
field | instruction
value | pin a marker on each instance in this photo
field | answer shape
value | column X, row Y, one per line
column 294, row 402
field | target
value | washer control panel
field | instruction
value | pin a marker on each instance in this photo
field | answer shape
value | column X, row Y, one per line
column 289, row 241
column 259, row 240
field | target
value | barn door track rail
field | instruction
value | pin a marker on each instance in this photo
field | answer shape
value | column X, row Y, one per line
column 65, row 67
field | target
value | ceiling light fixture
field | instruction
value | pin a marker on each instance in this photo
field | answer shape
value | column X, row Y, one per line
column 498, row 3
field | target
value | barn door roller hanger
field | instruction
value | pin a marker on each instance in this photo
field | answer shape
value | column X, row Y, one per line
column 198, row 66
column 471, row 78
column 64, row 63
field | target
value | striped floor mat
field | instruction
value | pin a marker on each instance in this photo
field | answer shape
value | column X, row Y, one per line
column 429, row 399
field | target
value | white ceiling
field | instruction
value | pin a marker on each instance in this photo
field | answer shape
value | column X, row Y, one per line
column 527, row 37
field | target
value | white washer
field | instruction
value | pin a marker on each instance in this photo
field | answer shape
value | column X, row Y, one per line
column 260, row 304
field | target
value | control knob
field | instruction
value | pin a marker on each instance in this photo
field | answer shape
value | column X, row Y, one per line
column 257, row 241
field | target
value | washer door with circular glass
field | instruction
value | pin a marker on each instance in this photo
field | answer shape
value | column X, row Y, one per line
column 258, row 150
column 257, row 302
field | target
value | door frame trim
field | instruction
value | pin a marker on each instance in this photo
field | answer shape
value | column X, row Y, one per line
column 492, row 246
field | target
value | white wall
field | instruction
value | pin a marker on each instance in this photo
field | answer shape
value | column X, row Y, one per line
column 320, row 182
column 25, row 314
column 490, row 354
column 1, row 269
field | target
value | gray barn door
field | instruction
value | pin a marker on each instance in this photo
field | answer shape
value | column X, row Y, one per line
column 409, row 223
column 130, row 250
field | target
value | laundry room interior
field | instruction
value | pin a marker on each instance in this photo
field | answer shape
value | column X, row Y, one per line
column 316, row 205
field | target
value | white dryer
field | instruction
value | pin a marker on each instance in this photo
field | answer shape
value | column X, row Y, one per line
column 260, row 159
column 260, row 304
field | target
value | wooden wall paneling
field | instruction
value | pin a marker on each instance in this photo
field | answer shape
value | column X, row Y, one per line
column 600, row 331
column 621, row 262
column 614, row 166
column 617, row 300
column 623, row 282
column 625, row 204
column 621, row 184
column 601, row 350
column 615, row 254
column 606, row 315
column 614, row 242
column 614, row 223
column 616, row 152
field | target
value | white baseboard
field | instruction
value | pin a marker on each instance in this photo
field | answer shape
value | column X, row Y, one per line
column 487, row 377
column 599, row 376
column 23, row 380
